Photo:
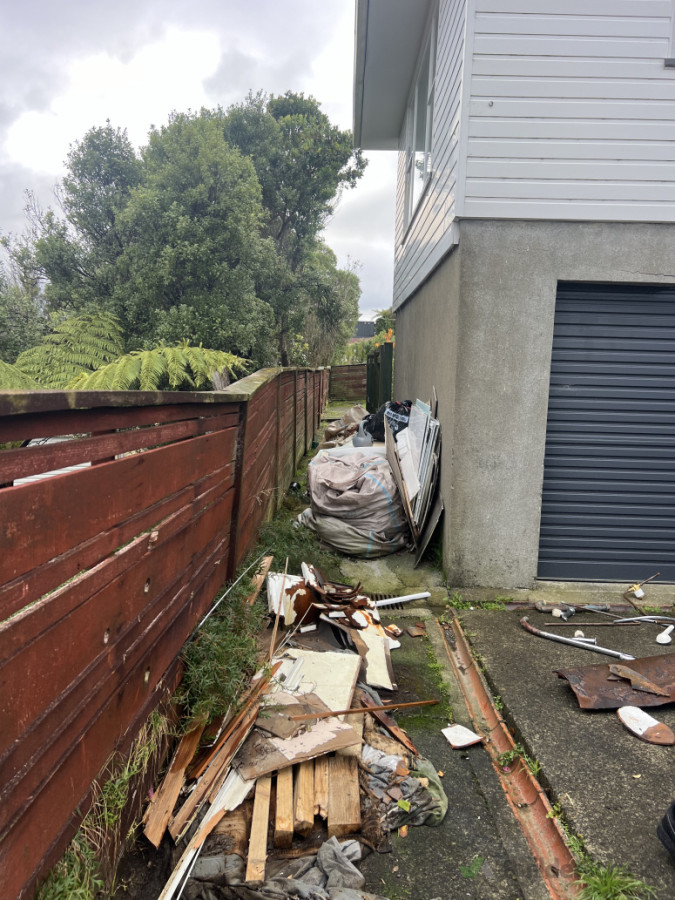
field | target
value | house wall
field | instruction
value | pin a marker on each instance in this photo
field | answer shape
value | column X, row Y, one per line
column 429, row 237
column 571, row 112
column 480, row 330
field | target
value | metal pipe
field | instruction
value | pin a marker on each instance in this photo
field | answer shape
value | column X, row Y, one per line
column 653, row 620
column 525, row 622
column 408, row 598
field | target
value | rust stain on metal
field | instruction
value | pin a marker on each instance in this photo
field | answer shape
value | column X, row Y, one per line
column 524, row 794
column 597, row 687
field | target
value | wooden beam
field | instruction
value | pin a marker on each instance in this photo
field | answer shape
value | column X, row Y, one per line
column 257, row 847
column 321, row 786
column 284, row 818
column 235, row 827
column 258, row 579
column 160, row 809
column 388, row 723
column 344, row 802
column 304, row 798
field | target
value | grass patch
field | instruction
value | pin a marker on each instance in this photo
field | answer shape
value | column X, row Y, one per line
column 596, row 881
column 610, row 883
column 221, row 657
column 458, row 602
column 85, row 868
column 507, row 759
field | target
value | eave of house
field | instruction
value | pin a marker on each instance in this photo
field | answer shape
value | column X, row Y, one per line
column 388, row 36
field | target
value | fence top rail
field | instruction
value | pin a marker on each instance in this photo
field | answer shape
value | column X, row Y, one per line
column 15, row 403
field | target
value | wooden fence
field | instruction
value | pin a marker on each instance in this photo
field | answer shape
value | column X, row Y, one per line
column 106, row 567
column 348, row 383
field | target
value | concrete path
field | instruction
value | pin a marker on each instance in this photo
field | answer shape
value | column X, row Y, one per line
column 611, row 787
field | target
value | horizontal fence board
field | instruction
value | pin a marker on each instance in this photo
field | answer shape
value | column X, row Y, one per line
column 28, row 588
column 348, row 382
column 84, row 421
column 34, row 460
column 45, row 518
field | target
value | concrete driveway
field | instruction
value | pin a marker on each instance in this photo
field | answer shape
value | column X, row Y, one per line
column 610, row 787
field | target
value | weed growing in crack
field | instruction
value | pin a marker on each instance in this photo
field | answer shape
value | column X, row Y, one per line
column 610, row 883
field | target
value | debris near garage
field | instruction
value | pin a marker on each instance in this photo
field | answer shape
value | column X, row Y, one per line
column 311, row 772
column 377, row 492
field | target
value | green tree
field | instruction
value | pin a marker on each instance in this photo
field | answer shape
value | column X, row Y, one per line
column 195, row 263
column 303, row 162
column 332, row 307
column 22, row 323
column 210, row 235
column 78, row 252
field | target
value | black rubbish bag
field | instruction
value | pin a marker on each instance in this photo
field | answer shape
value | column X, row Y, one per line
column 397, row 414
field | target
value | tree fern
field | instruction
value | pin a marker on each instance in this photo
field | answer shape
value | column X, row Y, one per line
column 179, row 367
column 13, row 379
column 77, row 346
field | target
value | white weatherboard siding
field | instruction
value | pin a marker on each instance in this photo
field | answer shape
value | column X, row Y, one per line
column 572, row 111
column 431, row 233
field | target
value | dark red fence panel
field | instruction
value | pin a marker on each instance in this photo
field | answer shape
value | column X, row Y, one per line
column 118, row 525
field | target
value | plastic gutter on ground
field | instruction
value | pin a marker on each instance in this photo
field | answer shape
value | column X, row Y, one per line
column 524, row 794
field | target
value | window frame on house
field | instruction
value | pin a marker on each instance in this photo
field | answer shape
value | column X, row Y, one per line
column 669, row 61
column 419, row 122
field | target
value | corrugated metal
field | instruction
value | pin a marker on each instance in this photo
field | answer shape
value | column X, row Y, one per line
column 608, row 502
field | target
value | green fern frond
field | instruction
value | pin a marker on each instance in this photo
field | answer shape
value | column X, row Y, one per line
column 13, row 379
column 80, row 344
column 181, row 367
column 153, row 367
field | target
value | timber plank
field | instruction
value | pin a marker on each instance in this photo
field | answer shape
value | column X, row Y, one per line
column 257, row 848
column 321, row 786
column 78, row 505
column 303, row 798
column 160, row 808
column 284, row 816
column 235, row 826
column 344, row 803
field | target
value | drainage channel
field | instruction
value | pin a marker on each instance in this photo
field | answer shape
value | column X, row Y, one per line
column 524, row 794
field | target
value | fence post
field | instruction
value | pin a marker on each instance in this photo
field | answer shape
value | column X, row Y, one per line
column 277, row 479
column 239, row 465
column 386, row 371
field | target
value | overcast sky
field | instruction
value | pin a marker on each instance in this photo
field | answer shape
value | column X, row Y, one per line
column 68, row 65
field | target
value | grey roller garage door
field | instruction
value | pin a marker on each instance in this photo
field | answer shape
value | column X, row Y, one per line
column 608, row 502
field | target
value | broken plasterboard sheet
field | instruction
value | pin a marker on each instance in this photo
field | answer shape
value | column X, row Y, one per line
column 292, row 586
column 262, row 754
column 407, row 463
column 458, row 736
column 373, row 649
column 330, row 675
column 274, row 716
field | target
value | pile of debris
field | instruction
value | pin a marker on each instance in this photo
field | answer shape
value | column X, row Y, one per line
column 376, row 491
column 311, row 772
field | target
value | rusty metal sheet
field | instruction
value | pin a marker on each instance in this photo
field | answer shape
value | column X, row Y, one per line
column 597, row 688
